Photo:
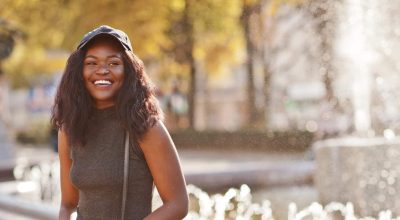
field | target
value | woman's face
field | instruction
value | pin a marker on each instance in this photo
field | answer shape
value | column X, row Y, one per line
column 103, row 71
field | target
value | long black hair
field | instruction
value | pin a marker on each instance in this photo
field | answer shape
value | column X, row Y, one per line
column 136, row 105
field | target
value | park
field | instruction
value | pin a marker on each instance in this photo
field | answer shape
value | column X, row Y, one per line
column 278, row 109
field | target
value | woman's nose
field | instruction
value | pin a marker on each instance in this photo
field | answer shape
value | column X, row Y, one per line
column 103, row 69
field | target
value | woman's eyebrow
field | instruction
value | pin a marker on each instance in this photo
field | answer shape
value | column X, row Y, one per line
column 111, row 56
column 115, row 56
column 90, row 56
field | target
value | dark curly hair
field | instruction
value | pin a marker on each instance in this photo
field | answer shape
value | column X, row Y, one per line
column 136, row 105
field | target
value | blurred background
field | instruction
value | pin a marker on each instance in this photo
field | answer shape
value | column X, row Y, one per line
column 286, row 96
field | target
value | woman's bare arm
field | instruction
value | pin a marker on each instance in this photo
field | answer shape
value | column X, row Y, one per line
column 162, row 159
column 69, row 194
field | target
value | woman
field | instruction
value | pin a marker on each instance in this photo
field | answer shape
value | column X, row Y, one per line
column 103, row 94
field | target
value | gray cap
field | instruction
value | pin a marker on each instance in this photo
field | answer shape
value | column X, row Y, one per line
column 104, row 29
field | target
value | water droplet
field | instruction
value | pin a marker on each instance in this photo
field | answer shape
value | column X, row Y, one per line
column 389, row 134
column 391, row 180
column 311, row 126
column 384, row 173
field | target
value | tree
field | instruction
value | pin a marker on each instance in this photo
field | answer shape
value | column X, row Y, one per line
column 57, row 24
column 189, row 49
column 263, row 16
column 174, row 37
column 249, row 9
column 204, row 33
column 28, row 58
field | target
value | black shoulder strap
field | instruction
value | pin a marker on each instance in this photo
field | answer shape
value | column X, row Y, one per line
column 126, row 167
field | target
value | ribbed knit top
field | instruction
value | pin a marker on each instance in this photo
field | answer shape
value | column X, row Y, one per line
column 97, row 172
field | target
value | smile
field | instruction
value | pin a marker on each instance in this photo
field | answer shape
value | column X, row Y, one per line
column 102, row 82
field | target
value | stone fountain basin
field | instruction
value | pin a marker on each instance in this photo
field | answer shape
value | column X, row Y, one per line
column 364, row 171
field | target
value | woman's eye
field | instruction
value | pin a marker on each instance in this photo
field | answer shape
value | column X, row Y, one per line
column 90, row 63
column 114, row 64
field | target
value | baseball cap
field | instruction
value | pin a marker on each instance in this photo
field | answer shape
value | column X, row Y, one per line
column 121, row 36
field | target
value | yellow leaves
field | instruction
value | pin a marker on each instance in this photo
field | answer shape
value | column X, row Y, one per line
column 26, row 63
column 149, row 23
column 41, row 21
column 61, row 24
column 219, row 50
column 177, row 5
column 217, row 34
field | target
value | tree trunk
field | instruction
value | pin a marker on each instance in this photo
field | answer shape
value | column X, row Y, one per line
column 247, row 11
column 188, row 47
column 266, row 71
column 266, row 89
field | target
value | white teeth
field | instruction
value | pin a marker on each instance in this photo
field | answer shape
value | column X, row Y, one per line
column 102, row 82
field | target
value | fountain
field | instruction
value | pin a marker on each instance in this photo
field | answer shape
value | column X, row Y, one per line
column 237, row 204
column 363, row 169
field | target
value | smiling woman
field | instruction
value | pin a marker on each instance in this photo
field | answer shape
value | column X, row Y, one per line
column 105, row 100
column 103, row 70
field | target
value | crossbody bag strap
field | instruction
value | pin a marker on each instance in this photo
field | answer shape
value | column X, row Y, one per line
column 126, row 167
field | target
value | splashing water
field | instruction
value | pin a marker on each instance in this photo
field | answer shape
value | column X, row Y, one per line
column 237, row 204
column 234, row 204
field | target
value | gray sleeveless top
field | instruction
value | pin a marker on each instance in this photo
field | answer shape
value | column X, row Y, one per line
column 97, row 172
